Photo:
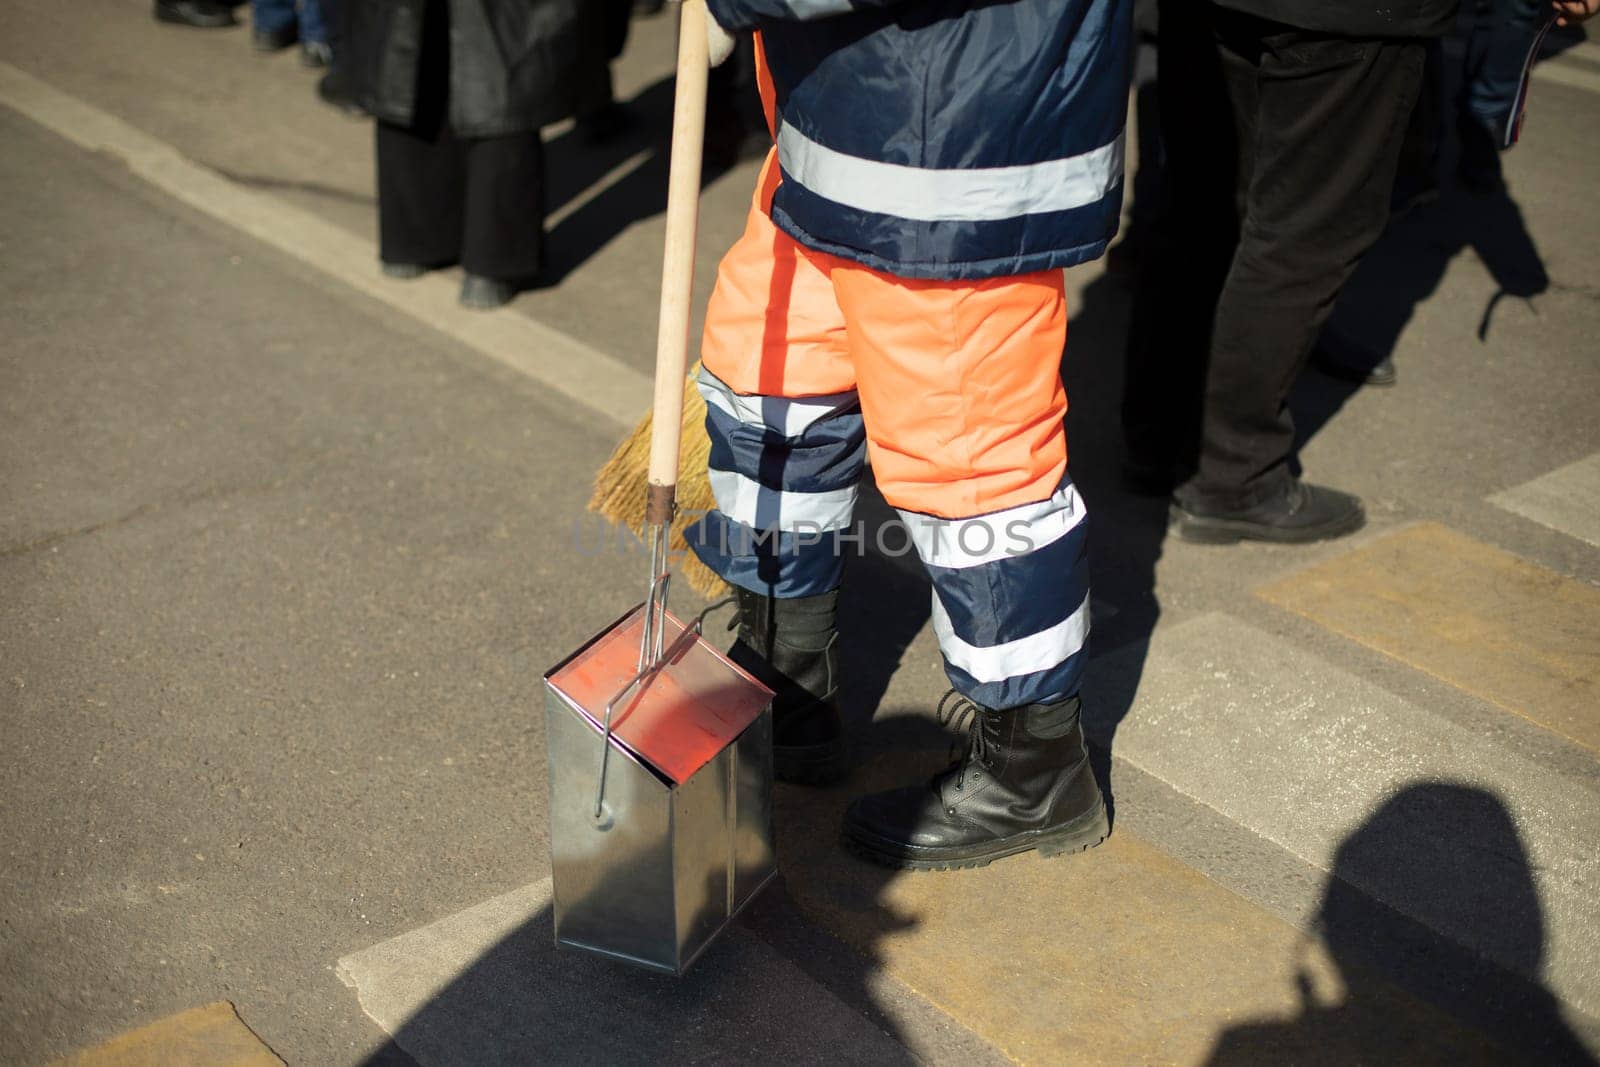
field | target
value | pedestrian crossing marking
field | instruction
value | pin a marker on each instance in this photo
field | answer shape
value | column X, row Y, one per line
column 1567, row 500
column 1120, row 955
column 1515, row 634
column 1443, row 822
column 209, row 1036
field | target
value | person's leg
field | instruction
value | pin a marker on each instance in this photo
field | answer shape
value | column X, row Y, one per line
column 1497, row 45
column 1186, row 255
column 961, row 392
column 503, row 237
column 316, row 46
column 272, row 24
column 421, row 168
column 331, row 15
column 313, row 26
column 787, row 452
column 599, row 117
column 1499, row 40
column 419, row 198
column 1329, row 115
column 334, row 86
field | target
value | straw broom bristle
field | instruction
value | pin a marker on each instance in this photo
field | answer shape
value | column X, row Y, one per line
column 619, row 487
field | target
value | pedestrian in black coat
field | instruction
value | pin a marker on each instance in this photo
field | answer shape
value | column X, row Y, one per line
column 460, row 89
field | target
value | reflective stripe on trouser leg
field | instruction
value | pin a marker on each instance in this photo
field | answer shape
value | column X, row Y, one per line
column 1010, row 598
column 784, row 472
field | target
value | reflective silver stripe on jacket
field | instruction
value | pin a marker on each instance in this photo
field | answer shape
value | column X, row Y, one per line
column 925, row 195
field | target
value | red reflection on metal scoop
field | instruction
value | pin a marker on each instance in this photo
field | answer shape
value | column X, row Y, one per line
column 681, row 716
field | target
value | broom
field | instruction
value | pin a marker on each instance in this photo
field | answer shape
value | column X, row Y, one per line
column 619, row 486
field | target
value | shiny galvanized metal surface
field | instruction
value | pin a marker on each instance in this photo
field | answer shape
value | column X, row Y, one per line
column 680, row 718
column 684, row 837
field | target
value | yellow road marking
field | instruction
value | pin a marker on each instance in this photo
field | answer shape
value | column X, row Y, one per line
column 210, row 1036
column 1522, row 637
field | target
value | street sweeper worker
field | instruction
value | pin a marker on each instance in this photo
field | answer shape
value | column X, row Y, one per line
column 897, row 293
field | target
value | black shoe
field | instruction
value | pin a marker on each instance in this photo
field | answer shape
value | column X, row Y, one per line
column 273, row 40
column 1358, row 367
column 789, row 645
column 316, row 55
column 204, row 14
column 1379, row 375
column 1304, row 513
column 485, row 293
column 331, row 87
column 1023, row 783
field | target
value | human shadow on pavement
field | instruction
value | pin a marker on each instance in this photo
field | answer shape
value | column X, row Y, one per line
column 1450, row 853
column 524, row 1000
column 574, row 168
column 1405, row 269
column 1126, row 529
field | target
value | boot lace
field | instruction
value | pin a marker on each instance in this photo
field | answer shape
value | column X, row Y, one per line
column 960, row 713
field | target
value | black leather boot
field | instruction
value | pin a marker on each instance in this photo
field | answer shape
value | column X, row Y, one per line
column 789, row 645
column 1023, row 783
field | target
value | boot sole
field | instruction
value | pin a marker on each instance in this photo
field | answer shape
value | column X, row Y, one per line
column 1203, row 531
column 1079, row 835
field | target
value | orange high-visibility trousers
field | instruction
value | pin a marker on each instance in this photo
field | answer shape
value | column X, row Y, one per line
column 812, row 362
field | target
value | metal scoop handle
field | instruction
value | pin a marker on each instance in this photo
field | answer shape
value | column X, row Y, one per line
column 672, row 350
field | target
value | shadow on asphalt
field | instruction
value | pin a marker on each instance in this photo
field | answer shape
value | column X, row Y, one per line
column 1404, row 270
column 1454, row 849
column 574, row 166
column 524, row 1001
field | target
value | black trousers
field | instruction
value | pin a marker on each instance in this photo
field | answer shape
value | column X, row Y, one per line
column 445, row 199
column 1281, row 149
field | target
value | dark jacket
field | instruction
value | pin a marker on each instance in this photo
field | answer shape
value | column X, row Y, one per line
column 951, row 139
column 514, row 65
column 1357, row 18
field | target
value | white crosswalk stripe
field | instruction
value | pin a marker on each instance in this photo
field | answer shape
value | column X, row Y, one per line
column 1567, row 499
column 1304, row 753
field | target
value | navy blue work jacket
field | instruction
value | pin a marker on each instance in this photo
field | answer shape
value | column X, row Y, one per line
column 953, row 139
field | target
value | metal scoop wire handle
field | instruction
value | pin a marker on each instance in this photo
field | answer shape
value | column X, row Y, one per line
column 651, row 654
column 672, row 353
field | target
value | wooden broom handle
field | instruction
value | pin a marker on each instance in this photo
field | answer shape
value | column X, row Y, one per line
column 677, row 266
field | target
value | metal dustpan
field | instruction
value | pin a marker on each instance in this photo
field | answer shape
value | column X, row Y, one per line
column 660, row 791
column 660, row 747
